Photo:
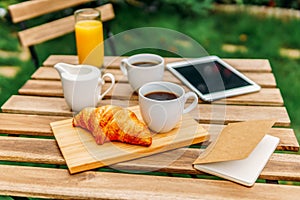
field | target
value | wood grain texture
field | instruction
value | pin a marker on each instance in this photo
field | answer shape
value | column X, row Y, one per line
column 248, row 65
column 82, row 153
column 57, row 28
column 27, row 124
column 34, row 150
column 58, row 183
column 266, row 96
column 206, row 113
column 45, row 151
column 30, row 9
column 39, row 126
column 42, row 88
column 232, row 113
column 265, row 80
column 37, row 105
column 71, row 59
column 288, row 139
column 245, row 65
column 45, row 73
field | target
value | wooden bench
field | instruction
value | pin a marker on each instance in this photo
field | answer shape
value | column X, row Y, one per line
column 40, row 102
column 29, row 37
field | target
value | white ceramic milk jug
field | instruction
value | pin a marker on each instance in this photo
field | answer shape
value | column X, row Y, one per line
column 82, row 85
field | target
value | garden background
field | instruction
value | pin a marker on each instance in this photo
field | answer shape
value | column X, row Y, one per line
column 238, row 34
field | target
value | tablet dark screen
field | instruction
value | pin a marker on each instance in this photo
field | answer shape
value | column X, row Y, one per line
column 211, row 77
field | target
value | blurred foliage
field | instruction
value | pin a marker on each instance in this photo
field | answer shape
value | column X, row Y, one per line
column 201, row 6
column 9, row 86
column 181, row 7
column 6, row 3
column 8, row 37
column 6, row 198
column 273, row 3
column 9, row 42
column 188, row 7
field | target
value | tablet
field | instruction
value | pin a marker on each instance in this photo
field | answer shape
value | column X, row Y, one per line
column 211, row 78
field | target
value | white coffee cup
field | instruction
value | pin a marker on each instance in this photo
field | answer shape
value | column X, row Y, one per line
column 163, row 115
column 82, row 85
column 143, row 68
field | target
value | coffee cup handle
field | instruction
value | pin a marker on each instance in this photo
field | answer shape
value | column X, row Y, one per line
column 123, row 64
column 193, row 105
column 101, row 81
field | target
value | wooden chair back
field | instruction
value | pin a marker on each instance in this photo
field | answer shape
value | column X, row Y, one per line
column 27, row 10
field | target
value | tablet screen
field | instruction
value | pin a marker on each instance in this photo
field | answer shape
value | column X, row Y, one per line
column 211, row 77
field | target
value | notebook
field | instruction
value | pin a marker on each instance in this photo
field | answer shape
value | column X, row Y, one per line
column 247, row 170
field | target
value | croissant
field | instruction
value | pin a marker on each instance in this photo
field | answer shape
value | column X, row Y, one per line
column 113, row 123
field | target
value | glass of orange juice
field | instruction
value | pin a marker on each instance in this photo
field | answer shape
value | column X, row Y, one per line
column 89, row 37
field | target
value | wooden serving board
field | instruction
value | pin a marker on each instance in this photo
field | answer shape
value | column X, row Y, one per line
column 82, row 153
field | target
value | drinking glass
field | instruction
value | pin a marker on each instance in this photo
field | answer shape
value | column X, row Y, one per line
column 89, row 36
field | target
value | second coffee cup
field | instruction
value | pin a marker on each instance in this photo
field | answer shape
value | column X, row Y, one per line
column 143, row 68
column 163, row 103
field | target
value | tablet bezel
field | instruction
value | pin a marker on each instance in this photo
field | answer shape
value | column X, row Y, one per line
column 253, row 87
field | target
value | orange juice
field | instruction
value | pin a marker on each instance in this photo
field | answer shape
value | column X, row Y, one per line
column 89, row 41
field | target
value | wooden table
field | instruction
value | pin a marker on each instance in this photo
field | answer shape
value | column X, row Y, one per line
column 36, row 168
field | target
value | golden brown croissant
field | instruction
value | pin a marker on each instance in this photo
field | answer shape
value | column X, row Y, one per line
column 113, row 123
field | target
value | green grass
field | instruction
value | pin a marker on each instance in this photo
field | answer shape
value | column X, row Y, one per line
column 9, row 42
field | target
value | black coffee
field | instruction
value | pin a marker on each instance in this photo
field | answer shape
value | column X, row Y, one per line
column 145, row 64
column 161, row 96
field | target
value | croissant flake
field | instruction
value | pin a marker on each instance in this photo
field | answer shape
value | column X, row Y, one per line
column 113, row 123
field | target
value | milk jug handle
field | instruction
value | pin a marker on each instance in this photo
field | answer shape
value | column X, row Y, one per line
column 101, row 82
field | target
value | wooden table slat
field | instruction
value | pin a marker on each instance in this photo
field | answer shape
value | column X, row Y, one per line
column 233, row 113
column 27, row 124
column 266, row 80
column 38, row 125
column 45, row 73
column 209, row 113
column 249, row 65
column 37, row 105
column 246, row 65
column 42, row 88
column 266, row 96
column 58, row 183
column 34, row 150
column 46, row 151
